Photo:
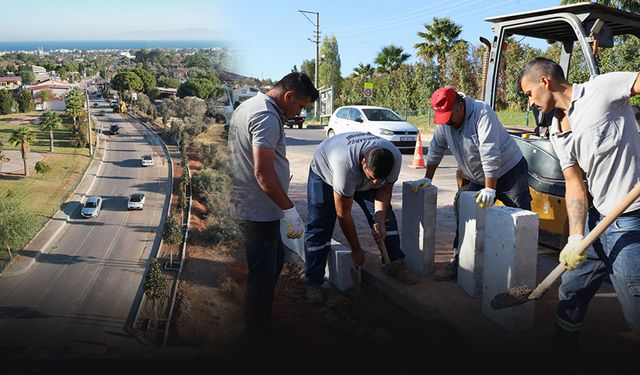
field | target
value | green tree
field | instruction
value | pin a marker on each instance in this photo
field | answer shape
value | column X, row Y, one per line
column 42, row 168
column 197, row 60
column 25, row 101
column 23, row 137
column 7, row 104
column 364, row 71
column 632, row 6
column 329, row 70
column 309, row 67
column 126, row 81
column 460, row 72
column 148, row 79
column 45, row 96
column 200, row 87
column 439, row 38
column 165, row 81
column 172, row 232
column 27, row 75
column 50, row 121
column 426, row 82
column 390, row 58
column 16, row 224
column 74, row 102
column 154, row 286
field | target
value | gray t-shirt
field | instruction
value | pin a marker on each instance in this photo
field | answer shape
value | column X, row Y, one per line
column 257, row 122
column 482, row 146
column 603, row 139
column 337, row 160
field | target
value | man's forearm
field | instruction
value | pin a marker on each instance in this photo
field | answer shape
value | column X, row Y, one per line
column 577, row 206
column 381, row 203
column 349, row 230
column 490, row 182
column 431, row 170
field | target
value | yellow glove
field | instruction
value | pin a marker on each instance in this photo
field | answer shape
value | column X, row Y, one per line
column 569, row 256
column 485, row 197
column 415, row 185
column 295, row 226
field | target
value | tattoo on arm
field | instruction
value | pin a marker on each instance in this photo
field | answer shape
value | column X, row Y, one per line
column 577, row 211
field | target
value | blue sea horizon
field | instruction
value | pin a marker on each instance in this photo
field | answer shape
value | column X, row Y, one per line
column 51, row 45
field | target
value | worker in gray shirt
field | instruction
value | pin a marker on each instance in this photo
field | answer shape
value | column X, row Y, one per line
column 594, row 134
column 486, row 154
column 350, row 167
column 260, row 181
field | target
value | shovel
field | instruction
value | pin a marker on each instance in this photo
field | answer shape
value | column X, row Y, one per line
column 522, row 294
column 388, row 267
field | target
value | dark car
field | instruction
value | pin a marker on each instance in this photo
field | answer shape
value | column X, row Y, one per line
column 115, row 129
column 296, row 121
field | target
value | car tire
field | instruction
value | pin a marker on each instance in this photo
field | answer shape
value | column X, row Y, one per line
column 330, row 133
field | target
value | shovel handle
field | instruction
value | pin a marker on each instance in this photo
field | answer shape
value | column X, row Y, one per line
column 381, row 245
column 588, row 240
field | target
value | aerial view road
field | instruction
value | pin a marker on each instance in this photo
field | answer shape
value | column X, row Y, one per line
column 84, row 289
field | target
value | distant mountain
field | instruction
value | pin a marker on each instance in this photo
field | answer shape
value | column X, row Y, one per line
column 180, row 34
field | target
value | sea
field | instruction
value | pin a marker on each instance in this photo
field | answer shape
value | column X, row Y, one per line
column 53, row 45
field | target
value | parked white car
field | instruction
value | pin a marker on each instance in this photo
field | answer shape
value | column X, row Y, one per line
column 91, row 206
column 136, row 201
column 147, row 160
column 379, row 121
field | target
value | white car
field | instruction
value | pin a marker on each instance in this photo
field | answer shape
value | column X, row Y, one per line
column 91, row 206
column 136, row 201
column 147, row 160
column 379, row 121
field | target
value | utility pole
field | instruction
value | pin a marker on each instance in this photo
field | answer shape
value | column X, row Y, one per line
column 317, row 42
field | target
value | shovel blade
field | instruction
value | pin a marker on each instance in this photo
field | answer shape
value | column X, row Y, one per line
column 512, row 297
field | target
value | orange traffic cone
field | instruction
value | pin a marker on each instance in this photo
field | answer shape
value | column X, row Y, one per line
column 418, row 161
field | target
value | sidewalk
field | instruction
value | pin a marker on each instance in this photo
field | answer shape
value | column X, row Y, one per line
column 40, row 243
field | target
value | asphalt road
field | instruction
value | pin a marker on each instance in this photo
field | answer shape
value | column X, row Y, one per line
column 82, row 293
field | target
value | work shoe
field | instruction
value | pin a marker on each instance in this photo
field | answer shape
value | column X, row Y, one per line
column 404, row 275
column 449, row 272
column 314, row 294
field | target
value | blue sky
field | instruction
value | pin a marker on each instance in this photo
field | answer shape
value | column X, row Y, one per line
column 272, row 35
column 108, row 19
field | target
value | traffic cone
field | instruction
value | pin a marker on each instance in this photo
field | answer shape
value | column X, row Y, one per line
column 418, row 161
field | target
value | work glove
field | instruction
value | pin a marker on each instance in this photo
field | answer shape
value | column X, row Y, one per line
column 485, row 197
column 416, row 184
column 569, row 256
column 295, row 226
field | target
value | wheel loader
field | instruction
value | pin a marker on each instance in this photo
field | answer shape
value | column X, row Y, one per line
column 586, row 26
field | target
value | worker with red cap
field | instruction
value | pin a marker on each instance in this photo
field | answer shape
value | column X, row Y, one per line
column 486, row 154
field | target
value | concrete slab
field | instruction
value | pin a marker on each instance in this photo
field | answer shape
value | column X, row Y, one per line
column 418, row 234
column 470, row 243
column 510, row 257
column 339, row 266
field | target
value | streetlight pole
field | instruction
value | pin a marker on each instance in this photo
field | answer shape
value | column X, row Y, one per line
column 317, row 42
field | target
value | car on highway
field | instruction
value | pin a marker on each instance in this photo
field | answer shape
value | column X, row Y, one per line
column 136, row 201
column 115, row 129
column 379, row 121
column 147, row 160
column 95, row 105
column 91, row 207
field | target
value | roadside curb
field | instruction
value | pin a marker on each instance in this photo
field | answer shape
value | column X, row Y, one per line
column 54, row 225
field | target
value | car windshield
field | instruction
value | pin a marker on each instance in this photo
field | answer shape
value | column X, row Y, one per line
column 146, row 157
column 136, row 197
column 91, row 204
column 379, row 114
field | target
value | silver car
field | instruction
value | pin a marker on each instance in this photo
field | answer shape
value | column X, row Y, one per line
column 91, row 206
column 136, row 201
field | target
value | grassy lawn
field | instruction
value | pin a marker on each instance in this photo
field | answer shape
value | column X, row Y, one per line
column 43, row 195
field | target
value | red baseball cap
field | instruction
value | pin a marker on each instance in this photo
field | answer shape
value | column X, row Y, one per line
column 442, row 102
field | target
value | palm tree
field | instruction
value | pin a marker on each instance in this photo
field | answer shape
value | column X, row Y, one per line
column 632, row 6
column 74, row 101
column 362, row 70
column 390, row 58
column 50, row 121
column 24, row 137
column 439, row 39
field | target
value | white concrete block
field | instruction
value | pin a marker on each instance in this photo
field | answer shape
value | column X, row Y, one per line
column 470, row 243
column 510, row 260
column 418, row 234
column 339, row 265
